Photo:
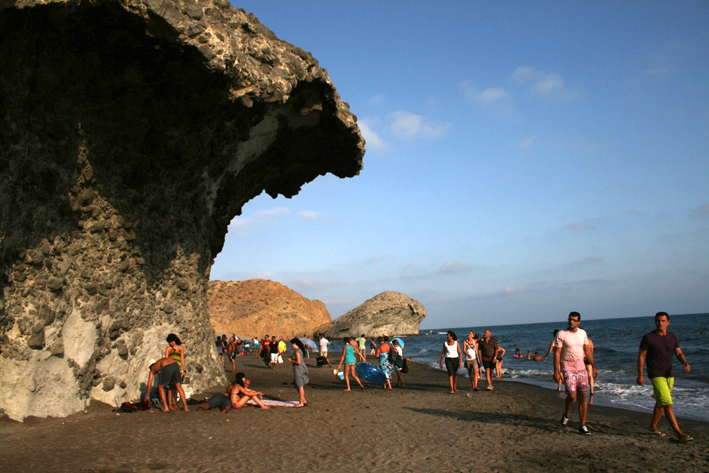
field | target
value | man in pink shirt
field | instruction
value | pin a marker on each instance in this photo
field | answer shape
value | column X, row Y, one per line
column 570, row 349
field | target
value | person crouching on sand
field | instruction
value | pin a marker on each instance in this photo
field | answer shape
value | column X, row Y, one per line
column 300, row 370
column 169, row 374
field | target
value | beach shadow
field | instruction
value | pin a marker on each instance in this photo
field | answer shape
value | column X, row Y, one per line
column 543, row 424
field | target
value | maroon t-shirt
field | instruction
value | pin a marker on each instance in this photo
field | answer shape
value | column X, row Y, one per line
column 659, row 353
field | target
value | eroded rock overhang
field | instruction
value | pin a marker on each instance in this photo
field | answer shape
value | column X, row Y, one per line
column 131, row 133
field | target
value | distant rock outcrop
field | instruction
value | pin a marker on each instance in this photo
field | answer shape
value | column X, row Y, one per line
column 131, row 134
column 258, row 307
column 389, row 313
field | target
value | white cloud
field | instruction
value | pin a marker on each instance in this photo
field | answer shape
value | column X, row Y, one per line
column 304, row 283
column 527, row 142
column 410, row 125
column 244, row 224
column 579, row 226
column 374, row 141
column 454, row 267
column 377, row 100
column 588, row 260
column 701, row 211
column 541, row 83
column 496, row 98
column 308, row 215
column 272, row 213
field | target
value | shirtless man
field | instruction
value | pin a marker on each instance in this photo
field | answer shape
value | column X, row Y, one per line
column 569, row 351
column 169, row 371
column 658, row 347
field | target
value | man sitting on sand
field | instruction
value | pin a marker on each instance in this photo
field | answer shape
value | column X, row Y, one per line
column 169, row 371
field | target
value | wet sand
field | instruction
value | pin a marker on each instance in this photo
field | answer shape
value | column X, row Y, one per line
column 418, row 428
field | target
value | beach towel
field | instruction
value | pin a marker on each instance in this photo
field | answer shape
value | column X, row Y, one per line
column 272, row 403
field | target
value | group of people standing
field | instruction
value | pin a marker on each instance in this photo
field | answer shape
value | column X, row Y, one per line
column 485, row 351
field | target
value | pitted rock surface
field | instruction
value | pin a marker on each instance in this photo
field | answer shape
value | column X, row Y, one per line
column 389, row 313
column 131, row 133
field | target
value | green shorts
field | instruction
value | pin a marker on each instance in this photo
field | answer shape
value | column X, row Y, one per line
column 662, row 388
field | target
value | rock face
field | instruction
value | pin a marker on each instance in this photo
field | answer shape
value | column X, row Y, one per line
column 258, row 307
column 131, row 133
column 389, row 313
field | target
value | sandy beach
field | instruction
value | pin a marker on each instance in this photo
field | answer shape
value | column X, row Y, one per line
column 418, row 428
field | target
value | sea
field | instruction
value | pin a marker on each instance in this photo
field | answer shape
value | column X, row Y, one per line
column 616, row 343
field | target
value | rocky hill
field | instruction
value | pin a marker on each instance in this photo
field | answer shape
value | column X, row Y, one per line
column 389, row 313
column 258, row 307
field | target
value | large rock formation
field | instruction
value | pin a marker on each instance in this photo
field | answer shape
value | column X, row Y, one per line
column 258, row 307
column 389, row 313
column 131, row 133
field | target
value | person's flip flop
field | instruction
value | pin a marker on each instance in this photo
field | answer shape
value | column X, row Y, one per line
column 657, row 433
column 686, row 439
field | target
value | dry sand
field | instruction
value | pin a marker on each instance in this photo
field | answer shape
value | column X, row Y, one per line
column 418, row 428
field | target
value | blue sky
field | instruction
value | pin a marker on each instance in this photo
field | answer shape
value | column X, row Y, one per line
column 524, row 159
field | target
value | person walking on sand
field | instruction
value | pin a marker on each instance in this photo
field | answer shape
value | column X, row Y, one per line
column 383, row 354
column 300, row 370
column 362, row 345
column 323, row 343
column 487, row 347
column 372, row 347
column 233, row 351
column 589, row 370
column 169, row 371
column 453, row 358
column 273, row 352
column 399, row 363
column 498, row 362
column 348, row 357
column 657, row 348
column 470, row 347
column 569, row 351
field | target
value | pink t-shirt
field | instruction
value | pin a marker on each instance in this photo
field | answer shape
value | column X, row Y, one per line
column 572, row 354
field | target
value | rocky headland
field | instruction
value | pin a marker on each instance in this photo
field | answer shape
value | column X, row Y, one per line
column 131, row 133
column 257, row 307
column 389, row 313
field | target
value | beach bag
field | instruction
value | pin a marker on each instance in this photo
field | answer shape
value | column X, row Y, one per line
column 321, row 360
column 404, row 366
column 394, row 358
column 280, row 359
column 133, row 407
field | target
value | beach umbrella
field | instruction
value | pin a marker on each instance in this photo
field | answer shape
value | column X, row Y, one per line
column 401, row 342
column 308, row 342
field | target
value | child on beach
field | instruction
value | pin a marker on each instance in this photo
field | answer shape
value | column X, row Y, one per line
column 348, row 356
column 300, row 370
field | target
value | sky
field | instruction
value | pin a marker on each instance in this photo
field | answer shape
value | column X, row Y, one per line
column 523, row 160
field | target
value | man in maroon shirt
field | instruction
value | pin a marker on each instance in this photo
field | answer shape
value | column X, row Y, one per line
column 657, row 347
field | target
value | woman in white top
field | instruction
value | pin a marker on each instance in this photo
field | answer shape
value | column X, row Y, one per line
column 453, row 358
column 470, row 346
